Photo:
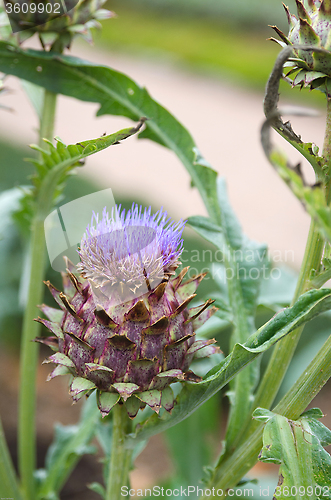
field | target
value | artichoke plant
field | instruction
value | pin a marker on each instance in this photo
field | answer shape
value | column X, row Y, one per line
column 124, row 328
column 55, row 21
column 310, row 28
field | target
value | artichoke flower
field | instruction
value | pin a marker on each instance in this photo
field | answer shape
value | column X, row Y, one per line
column 312, row 27
column 124, row 328
column 55, row 21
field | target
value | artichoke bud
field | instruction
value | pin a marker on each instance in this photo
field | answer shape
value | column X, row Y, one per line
column 311, row 27
column 55, row 21
column 124, row 328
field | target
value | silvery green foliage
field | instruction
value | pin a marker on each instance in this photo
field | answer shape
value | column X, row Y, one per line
column 298, row 447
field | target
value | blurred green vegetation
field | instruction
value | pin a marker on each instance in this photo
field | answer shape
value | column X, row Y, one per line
column 201, row 44
column 252, row 15
column 219, row 45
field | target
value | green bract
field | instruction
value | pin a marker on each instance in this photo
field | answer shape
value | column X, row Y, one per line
column 46, row 20
column 310, row 28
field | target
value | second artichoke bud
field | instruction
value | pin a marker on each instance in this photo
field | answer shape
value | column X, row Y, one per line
column 311, row 27
column 55, row 21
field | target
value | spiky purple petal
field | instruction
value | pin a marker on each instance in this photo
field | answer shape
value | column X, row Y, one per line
column 129, row 253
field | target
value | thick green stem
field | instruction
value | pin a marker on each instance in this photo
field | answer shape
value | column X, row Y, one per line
column 46, row 130
column 241, row 385
column 120, row 460
column 291, row 406
column 29, row 349
column 284, row 350
column 29, row 358
column 8, row 479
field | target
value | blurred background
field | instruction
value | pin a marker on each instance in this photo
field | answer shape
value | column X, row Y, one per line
column 207, row 61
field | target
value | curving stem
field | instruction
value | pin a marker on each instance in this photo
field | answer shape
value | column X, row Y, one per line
column 29, row 349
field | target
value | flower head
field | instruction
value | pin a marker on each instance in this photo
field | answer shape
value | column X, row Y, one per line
column 124, row 328
column 129, row 253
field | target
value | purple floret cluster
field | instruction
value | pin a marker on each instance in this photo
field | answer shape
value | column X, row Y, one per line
column 130, row 247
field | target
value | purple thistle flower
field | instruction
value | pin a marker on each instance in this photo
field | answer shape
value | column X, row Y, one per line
column 129, row 253
column 124, row 328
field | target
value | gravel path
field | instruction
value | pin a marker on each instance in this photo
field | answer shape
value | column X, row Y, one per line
column 225, row 122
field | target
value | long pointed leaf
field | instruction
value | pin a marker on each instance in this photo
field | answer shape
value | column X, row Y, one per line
column 192, row 396
column 117, row 95
column 58, row 162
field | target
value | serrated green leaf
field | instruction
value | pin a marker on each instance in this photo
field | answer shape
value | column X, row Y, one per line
column 51, row 179
column 305, row 466
column 62, row 149
column 192, row 396
column 243, row 266
column 117, row 95
column 312, row 197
